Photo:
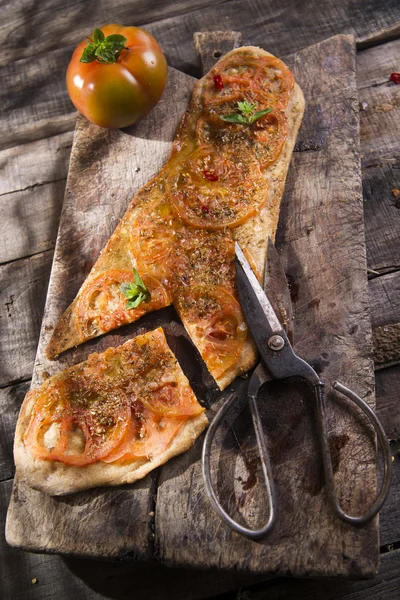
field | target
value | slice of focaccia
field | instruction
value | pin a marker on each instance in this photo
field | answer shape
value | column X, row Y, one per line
column 107, row 421
column 223, row 182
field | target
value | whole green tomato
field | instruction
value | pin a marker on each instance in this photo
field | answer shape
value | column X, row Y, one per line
column 117, row 75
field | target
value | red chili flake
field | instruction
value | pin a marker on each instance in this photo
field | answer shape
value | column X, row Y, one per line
column 205, row 209
column 219, row 84
column 395, row 77
column 210, row 175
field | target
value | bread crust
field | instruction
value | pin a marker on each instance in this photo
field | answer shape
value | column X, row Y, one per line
column 252, row 235
column 57, row 478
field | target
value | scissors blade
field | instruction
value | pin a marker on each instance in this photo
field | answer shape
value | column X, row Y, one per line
column 258, row 310
column 263, row 323
column 277, row 289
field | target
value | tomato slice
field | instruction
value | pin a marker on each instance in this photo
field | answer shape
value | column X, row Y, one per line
column 102, row 306
column 263, row 139
column 267, row 75
column 236, row 193
column 166, row 397
column 154, row 233
column 215, row 323
column 270, row 133
column 77, row 432
column 148, row 435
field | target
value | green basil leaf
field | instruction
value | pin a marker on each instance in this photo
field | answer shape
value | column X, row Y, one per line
column 116, row 40
column 246, row 107
column 234, row 118
column 136, row 293
column 98, row 36
column 129, row 289
column 125, row 287
column 106, row 55
column 139, row 280
column 135, row 303
column 88, row 54
column 259, row 114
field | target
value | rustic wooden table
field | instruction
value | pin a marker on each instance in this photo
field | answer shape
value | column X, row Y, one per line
column 37, row 127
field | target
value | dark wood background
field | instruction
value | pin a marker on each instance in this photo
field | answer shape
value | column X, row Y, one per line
column 37, row 121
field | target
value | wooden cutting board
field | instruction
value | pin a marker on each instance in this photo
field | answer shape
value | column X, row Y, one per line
column 167, row 516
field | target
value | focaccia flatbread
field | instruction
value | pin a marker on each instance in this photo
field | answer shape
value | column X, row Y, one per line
column 223, row 182
column 107, row 421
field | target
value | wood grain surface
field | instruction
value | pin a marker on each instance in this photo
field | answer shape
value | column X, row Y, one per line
column 106, row 169
column 322, row 246
column 33, row 95
column 21, row 311
column 380, row 150
column 35, row 106
column 286, row 28
column 31, row 195
column 95, row 199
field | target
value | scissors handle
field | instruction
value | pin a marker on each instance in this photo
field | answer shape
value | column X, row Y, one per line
column 327, row 460
column 254, row 385
column 252, row 534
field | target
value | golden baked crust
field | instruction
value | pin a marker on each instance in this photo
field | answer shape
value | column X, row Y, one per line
column 193, row 273
column 56, row 477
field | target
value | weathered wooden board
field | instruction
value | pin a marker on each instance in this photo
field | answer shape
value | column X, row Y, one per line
column 54, row 25
column 33, row 165
column 380, row 154
column 90, row 580
column 57, row 25
column 389, row 520
column 384, row 294
column 380, row 159
column 23, row 287
column 288, row 27
column 66, row 578
column 387, row 382
column 87, row 579
column 386, row 586
column 31, row 195
column 95, row 156
column 322, row 245
column 33, row 96
column 106, row 168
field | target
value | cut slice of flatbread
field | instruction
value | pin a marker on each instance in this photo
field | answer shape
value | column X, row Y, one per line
column 223, row 182
column 107, row 421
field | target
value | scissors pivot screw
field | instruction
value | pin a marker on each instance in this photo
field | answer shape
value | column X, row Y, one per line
column 276, row 342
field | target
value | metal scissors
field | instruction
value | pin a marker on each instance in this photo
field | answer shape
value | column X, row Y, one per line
column 279, row 361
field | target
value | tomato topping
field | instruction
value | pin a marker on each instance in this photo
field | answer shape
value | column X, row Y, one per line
column 167, row 397
column 128, row 401
column 267, row 75
column 219, row 84
column 210, row 175
column 203, row 255
column 216, row 325
column 102, row 306
column 269, row 136
column 263, row 139
column 74, row 426
column 238, row 193
column 149, row 434
column 147, row 372
column 153, row 235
